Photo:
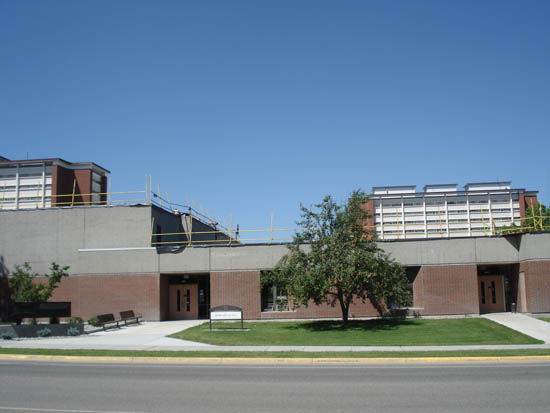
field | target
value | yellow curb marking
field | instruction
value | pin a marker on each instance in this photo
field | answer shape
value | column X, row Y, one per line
column 267, row 360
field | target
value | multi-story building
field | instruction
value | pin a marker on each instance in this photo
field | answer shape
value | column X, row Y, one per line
column 399, row 212
column 44, row 183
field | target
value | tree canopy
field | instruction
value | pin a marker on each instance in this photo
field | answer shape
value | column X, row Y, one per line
column 23, row 288
column 335, row 260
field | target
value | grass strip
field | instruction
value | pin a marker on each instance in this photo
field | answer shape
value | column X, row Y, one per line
column 277, row 354
column 409, row 332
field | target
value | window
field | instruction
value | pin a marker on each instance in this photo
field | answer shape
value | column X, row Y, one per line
column 274, row 299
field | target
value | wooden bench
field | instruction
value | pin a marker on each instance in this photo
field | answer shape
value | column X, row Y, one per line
column 129, row 316
column 106, row 319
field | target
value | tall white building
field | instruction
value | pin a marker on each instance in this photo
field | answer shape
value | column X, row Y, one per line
column 399, row 212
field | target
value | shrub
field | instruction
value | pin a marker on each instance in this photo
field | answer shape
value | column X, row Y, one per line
column 73, row 331
column 45, row 332
column 6, row 335
column 94, row 321
column 75, row 320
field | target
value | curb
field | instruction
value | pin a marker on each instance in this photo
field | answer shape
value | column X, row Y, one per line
column 267, row 360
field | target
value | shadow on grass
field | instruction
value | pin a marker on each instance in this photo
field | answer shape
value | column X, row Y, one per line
column 356, row 325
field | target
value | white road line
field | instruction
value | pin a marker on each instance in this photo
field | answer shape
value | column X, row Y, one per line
column 30, row 409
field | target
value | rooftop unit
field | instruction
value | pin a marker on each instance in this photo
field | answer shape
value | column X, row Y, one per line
column 441, row 188
column 386, row 190
column 487, row 186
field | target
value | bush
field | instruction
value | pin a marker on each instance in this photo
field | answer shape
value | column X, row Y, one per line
column 73, row 331
column 75, row 320
column 45, row 332
column 6, row 335
column 94, row 321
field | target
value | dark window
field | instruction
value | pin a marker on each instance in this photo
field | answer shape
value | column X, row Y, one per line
column 274, row 299
column 179, row 301
column 482, row 292
column 493, row 293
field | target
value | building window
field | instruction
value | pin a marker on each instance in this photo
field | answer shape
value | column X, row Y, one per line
column 274, row 298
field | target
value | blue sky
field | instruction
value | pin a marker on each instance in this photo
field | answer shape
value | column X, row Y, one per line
column 251, row 107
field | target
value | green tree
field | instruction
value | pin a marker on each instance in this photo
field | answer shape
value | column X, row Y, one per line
column 336, row 260
column 24, row 287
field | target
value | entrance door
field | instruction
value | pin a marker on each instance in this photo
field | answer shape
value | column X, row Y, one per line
column 184, row 301
column 491, row 294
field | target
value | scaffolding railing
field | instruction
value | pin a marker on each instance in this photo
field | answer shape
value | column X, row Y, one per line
column 535, row 223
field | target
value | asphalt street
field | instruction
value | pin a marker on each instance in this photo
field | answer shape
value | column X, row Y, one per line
column 40, row 386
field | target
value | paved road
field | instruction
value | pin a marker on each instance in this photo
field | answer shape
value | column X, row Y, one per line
column 27, row 386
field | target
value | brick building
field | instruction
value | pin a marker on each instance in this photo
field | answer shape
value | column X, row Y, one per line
column 480, row 209
column 168, row 264
column 113, row 267
column 43, row 183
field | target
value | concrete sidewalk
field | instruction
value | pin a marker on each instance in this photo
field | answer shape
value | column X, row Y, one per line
column 525, row 324
column 151, row 336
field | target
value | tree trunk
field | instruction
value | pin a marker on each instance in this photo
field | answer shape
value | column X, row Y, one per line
column 344, row 305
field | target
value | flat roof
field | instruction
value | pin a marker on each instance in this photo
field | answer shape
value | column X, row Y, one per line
column 24, row 161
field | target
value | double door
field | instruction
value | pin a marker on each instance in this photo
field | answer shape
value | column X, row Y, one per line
column 491, row 294
column 183, row 301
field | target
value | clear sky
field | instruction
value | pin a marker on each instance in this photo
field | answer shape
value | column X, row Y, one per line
column 251, row 107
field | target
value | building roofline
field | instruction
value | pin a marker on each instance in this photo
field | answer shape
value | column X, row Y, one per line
column 475, row 191
column 440, row 185
column 489, row 183
column 60, row 160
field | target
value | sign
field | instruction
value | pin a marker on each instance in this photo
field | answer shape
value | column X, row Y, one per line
column 226, row 315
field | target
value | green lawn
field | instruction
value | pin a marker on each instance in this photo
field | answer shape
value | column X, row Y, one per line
column 545, row 319
column 275, row 354
column 409, row 332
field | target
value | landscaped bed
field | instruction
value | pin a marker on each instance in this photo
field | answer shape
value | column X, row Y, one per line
column 407, row 332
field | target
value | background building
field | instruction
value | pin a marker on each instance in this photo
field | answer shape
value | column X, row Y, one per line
column 43, row 183
column 438, row 211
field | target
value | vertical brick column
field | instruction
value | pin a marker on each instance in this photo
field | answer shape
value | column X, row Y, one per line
column 238, row 288
column 537, row 286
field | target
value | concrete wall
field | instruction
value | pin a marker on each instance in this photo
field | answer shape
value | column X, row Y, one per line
column 66, row 236
column 45, row 235
column 454, row 251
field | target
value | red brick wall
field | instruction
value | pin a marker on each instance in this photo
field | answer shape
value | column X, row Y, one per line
column 83, row 179
column 537, row 285
column 238, row 288
column 450, row 289
column 62, row 184
column 63, row 180
column 369, row 207
column 100, row 294
column 418, row 290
